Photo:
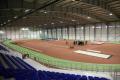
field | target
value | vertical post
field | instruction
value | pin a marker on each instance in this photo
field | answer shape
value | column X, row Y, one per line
column 5, row 32
column 47, row 33
column 15, row 32
column 94, row 32
column 84, row 32
column 40, row 32
column 0, row 35
column 12, row 32
column 56, row 33
column 35, row 28
column 115, row 31
column 51, row 33
column 19, row 33
column 75, row 31
column 68, row 32
column 89, row 32
column 61, row 33
column 107, row 32
column 101, row 31
column 30, row 32
column 33, row 32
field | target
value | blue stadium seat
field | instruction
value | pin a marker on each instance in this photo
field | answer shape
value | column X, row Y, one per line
column 20, row 70
column 24, row 63
column 104, row 79
column 15, row 62
column 7, row 61
column 3, row 48
column 18, row 73
column 91, row 78
column 97, row 78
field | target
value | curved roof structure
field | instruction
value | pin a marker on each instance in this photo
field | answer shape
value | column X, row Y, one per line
column 58, row 12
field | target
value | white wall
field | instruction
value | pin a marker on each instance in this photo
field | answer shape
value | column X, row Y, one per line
column 99, row 32
column 15, row 33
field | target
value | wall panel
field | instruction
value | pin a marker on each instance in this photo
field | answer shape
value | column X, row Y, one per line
column 87, row 31
column 99, row 32
column 111, row 30
column 65, row 35
column 92, row 32
column 71, row 33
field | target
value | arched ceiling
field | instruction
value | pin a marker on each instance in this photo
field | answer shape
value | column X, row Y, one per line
column 58, row 12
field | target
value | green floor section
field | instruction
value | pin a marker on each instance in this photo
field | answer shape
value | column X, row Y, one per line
column 60, row 63
column 115, row 42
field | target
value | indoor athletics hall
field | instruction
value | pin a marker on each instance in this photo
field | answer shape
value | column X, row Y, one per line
column 59, row 39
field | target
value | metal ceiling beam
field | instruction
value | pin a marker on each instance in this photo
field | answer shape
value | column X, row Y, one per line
column 104, row 6
column 42, row 7
column 73, row 10
column 83, row 9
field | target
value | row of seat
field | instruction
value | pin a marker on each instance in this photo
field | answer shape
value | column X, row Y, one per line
column 46, row 75
column 16, row 68
column 3, row 48
column 14, row 62
column 23, row 71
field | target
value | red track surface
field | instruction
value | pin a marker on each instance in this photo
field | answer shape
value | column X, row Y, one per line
column 59, row 49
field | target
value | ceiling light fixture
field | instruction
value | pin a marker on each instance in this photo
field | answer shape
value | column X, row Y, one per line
column 61, row 21
column 88, row 17
column 4, row 22
column 45, row 12
column 8, row 20
column 15, row 17
column 27, row 10
column 73, row 0
column 24, row 29
column 52, row 23
column 45, row 24
column 73, row 20
column 110, row 14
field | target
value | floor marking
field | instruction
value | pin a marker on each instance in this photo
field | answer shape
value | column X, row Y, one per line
column 95, row 54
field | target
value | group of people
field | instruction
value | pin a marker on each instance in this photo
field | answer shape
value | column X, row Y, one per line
column 77, row 42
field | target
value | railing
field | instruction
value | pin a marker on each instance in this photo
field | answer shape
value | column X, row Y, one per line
column 63, row 64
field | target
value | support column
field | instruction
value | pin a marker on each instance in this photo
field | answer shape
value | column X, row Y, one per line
column 107, row 31
column 84, row 32
column 89, row 32
column 68, row 32
column 75, row 31
column 94, row 32
column 47, row 34
column 56, row 33
column 101, row 31
column 51, row 33
column 115, row 31
column 61, row 33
